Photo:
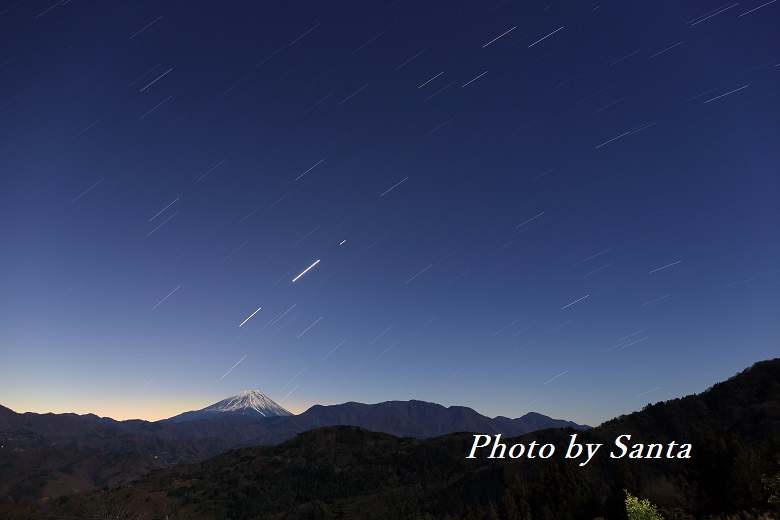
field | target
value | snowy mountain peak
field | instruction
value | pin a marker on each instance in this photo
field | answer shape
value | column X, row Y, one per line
column 246, row 402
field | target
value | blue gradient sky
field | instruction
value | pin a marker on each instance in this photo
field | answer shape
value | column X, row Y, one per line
column 168, row 169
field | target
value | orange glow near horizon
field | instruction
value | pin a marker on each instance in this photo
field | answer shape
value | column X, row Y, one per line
column 125, row 411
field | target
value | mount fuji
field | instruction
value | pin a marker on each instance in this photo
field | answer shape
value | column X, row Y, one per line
column 248, row 402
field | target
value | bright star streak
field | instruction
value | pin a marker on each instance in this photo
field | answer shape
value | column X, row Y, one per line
column 556, row 377
column 143, row 388
column 504, row 34
column 664, row 267
column 234, row 366
column 307, row 328
column 530, row 219
column 306, row 270
column 250, row 316
column 726, row 94
column 453, row 375
column 161, row 225
column 293, row 379
column 166, row 207
column 394, row 185
column 575, row 301
column 540, row 39
column 310, row 169
column 418, row 274
column 645, row 393
column 288, row 394
column 173, row 291
column 331, row 352
column 101, row 180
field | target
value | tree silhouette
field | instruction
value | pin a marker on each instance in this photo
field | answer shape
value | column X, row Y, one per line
column 640, row 509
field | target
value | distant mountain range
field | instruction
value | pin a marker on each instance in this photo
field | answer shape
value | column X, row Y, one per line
column 421, row 419
column 251, row 418
column 401, row 418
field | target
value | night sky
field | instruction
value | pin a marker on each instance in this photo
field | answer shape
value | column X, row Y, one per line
column 563, row 207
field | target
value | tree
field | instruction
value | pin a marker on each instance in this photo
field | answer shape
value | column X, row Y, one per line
column 340, row 510
column 507, row 507
column 772, row 487
column 640, row 509
column 490, row 512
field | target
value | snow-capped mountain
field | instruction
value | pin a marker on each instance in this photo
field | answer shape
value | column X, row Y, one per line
column 248, row 402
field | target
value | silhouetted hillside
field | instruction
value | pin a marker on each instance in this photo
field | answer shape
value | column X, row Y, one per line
column 50, row 455
column 746, row 405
